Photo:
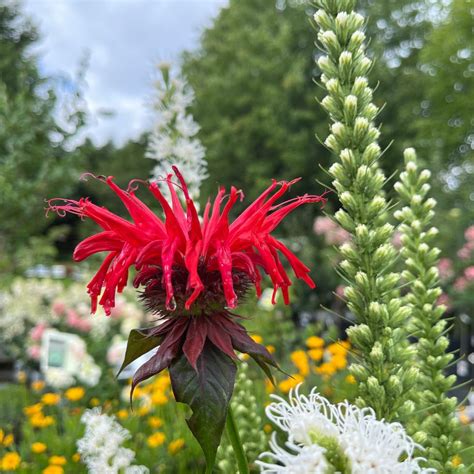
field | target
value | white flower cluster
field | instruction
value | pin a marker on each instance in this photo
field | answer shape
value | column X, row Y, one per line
column 325, row 438
column 101, row 446
column 173, row 140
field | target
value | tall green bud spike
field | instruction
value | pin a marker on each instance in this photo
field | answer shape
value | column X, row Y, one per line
column 384, row 374
column 436, row 425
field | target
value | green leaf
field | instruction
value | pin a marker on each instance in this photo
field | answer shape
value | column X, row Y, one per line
column 139, row 342
column 207, row 391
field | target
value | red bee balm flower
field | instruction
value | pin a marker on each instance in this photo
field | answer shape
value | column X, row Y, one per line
column 192, row 272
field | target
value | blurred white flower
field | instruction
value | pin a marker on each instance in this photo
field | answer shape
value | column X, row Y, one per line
column 89, row 372
column 171, row 142
column 101, row 446
column 58, row 378
column 348, row 436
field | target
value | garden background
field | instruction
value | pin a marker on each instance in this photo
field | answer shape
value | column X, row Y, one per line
column 256, row 104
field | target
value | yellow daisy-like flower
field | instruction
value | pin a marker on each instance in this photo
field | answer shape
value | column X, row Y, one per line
column 53, row 470
column 143, row 410
column 156, row 439
column 10, row 462
column 456, row 460
column 339, row 362
column 267, row 428
column 315, row 342
column 8, row 440
column 271, row 349
column 50, row 399
column 37, row 385
column 57, row 460
column 76, row 457
column 258, row 339
column 300, row 360
column 122, row 414
column 40, row 421
column 159, row 398
column 162, row 382
column 326, row 368
column 175, row 446
column 316, row 354
column 38, row 448
column 350, row 379
column 2, row 434
column 286, row 385
column 155, row 422
column 74, row 394
column 338, row 348
column 33, row 409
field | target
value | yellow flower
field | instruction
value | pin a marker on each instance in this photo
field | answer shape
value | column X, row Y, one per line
column 57, row 460
column 156, row 439
column 456, row 460
column 176, row 445
column 300, row 359
column 144, row 410
column 38, row 420
column 159, row 398
column 316, row 354
column 37, row 386
column 50, row 398
column 38, row 448
column 8, row 440
column 10, row 462
column 271, row 349
column 155, row 422
column 258, row 339
column 162, row 382
column 326, row 369
column 76, row 457
column 94, row 402
column 122, row 414
column 350, row 379
column 315, row 342
column 53, row 470
column 2, row 434
column 338, row 348
column 267, row 428
column 286, row 385
column 74, row 394
column 269, row 387
column 33, row 409
column 339, row 362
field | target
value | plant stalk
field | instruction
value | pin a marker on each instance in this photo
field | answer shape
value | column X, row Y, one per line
column 233, row 434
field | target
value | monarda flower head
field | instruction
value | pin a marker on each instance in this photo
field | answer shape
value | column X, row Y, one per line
column 192, row 273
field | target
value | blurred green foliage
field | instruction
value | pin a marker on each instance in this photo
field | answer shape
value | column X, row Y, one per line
column 34, row 156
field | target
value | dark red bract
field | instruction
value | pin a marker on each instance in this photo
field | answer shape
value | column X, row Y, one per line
column 191, row 271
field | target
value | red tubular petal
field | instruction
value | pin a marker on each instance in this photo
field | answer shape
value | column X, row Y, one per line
column 151, row 253
column 224, row 257
column 143, row 217
column 193, row 251
column 300, row 269
column 101, row 242
column 95, row 285
column 167, row 258
column 177, row 207
column 195, row 340
column 287, row 282
column 210, row 228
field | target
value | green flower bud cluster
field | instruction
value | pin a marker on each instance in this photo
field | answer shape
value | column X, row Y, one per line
column 249, row 423
column 436, row 426
column 383, row 373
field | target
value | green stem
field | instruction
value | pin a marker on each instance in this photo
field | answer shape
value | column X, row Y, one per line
column 233, row 434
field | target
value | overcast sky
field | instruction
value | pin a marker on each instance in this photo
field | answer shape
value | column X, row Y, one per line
column 124, row 39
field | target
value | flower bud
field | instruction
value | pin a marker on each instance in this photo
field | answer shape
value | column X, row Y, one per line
column 357, row 38
column 376, row 391
column 361, row 335
column 345, row 220
column 362, row 66
column 323, row 20
column 371, row 153
column 350, row 108
column 348, row 159
column 361, row 126
column 330, row 42
column 327, row 66
column 359, row 372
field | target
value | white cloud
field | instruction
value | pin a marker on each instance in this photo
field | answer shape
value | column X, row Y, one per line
column 124, row 38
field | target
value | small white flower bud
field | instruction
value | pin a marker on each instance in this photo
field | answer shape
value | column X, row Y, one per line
column 371, row 153
column 362, row 67
column 350, row 108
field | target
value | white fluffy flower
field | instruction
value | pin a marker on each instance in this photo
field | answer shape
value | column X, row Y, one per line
column 173, row 141
column 344, row 432
column 303, row 459
column 101, row 446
